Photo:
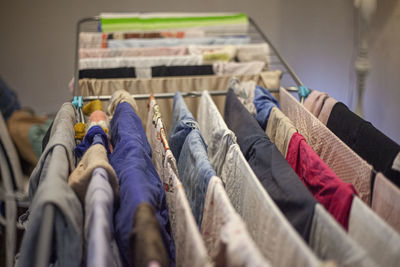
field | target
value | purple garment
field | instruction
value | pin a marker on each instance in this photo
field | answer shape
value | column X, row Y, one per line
column 95, row 135
column 138, row 180
column 264, row 102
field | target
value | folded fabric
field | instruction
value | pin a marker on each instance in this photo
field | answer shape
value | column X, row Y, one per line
column 234, row 68
column 120, row 96
column 138, row 62
column 138, row 179
column 111, row 22
column 378, row 239
column 385, row 201
column 270, row 167
column 368, row 142
column 247, row 194
column 190, row 248
column 280, row 130
column 100, row 243
column 94, row 157
column 253, row 52
column 95, row 135
column 315, row 101
column 145, row 239
column 92, row 40
column 245, row 93
column 108, row 73
column 326, row 110
column 225, row 54
column 264, row 102
column 337, row 155
column 133, row 52
column 225, row 40
column 226, row 237
column 331, row 242
column 48, row 186
column 334, row 194
column 165, row 71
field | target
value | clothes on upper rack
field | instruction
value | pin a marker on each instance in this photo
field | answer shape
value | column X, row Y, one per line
column 274, row 173
column 337, row 155
column 133, row 52
column 385, row 201
column 101, row 246
column 264, row 101
column 51, row 173
column 247, row 195
column 156, row 34
column 234, row 68
column 367, row 141
column 109, row 73
column 224, row 233
column 168, row 71
column 138, row 179
column 190, row 249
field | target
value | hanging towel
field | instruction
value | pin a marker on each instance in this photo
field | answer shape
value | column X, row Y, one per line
column 315, row 101
column 133, row 52
column 264, row 102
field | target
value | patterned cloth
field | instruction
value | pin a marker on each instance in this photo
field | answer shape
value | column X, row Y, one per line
column 339, row 157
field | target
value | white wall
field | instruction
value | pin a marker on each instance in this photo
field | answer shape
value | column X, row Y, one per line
column 316, row 38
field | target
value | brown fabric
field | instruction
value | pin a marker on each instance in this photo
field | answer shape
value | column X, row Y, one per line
column 326, row 110
column 145, row 239
column 18, row 126
column 97, row 87
column 386, row 201
column 79, row 179
column 315, row 101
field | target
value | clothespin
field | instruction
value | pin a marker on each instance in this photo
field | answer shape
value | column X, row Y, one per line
column 303, row 93
column 78, row 103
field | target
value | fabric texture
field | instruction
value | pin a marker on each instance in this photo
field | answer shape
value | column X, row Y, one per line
column 238, row 68
column 79, row 179
column 280, row 130
column 95, row 135
column 385, row 201
column 264, row 101
column 132, row 52
column 224, row 233
column 331, row 242
column 245, row 93
column 334, row 194
column 315, row 101
column 367, row 141
column 145, row 238
column 270, row 167
column 48, row 186
column 379, row 240
column 166, row 71
column 326, row 110
column 108, row 73
column 190, row 249
column 99, row 87
column 100, row 242
column 138, row 179
column 120, row 96
column 336, row 154
column 248, row 197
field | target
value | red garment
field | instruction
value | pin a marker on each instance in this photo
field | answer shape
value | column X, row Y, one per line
column 323, row 183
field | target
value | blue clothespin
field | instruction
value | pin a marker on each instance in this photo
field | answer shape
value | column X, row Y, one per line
column 77, row 102
column 303, row 92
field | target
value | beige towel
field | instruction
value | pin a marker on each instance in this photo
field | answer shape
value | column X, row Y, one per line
column 120, row 96
column 326, row 110
column 94, row 157
column 315, row 101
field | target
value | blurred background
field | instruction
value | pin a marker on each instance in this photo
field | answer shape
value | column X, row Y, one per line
column 319, row 39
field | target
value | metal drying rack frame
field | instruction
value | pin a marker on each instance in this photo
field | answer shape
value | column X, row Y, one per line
column 47, row 228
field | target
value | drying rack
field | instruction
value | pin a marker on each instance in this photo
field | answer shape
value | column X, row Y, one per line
column 290, row 81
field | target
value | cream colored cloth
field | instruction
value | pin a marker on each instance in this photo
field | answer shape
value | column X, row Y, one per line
column 379, row 240
column 224, row 232
column 268, row 227
column 238, row 68
column 245, row 93
column 315, row 101
column 92, row 40
column 120, row 96
column 386, row 201
column 336, row 154
column 326, row 110
column 253, row 52
column 94, row 157
column 97, row 87
column 190, row 248
column 280, row 130
column 132, row 52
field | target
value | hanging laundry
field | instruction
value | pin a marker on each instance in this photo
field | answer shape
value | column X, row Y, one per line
column 133, row 52
column 315, row 101
column 264, row 101
column 272, row 170
column 168, row 71
column 234, row 68
column 109, row 73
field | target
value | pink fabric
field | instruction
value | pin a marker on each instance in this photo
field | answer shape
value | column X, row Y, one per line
column 334, row 194
column 132, row 52
column 315, row 101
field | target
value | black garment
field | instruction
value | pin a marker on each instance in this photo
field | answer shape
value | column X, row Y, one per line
column 165, row 71
column 112, row 73
column 270, row 167
column 367, row 141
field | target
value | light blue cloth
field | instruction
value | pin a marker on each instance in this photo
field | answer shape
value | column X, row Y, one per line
column 140, row 42
column 264, row 102
column 188, row 146
column 99, row 230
